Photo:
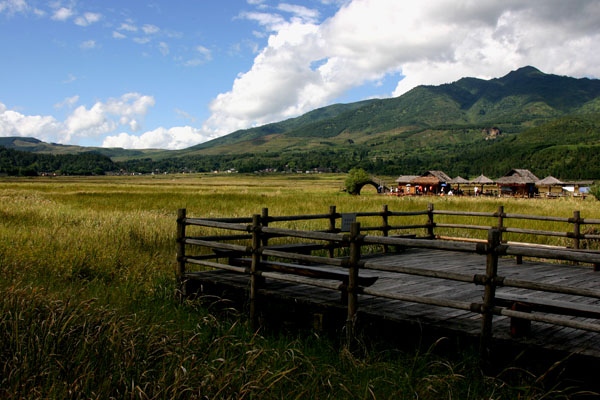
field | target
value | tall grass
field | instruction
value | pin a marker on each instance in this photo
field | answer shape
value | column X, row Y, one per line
column 87, row 307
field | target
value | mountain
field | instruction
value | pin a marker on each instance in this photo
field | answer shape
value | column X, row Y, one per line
column 522, row 99
column 34, row 145
column 525, row 119
column 257, row 135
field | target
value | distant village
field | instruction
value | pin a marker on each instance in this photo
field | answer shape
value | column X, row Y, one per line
column 516, row 183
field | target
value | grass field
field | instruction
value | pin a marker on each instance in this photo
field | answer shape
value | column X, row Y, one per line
column 88, row 307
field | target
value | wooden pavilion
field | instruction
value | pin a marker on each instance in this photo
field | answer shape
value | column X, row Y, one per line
column 405, row 185
column 578, row 188
column 432, row 182
column 480, row 182
column 552, row 186
column 459, row 180
column 518, row 182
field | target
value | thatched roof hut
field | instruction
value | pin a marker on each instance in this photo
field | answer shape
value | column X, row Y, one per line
column 459, row 180
column 551, row 186
column 482, row 180
column 518, row 177
column 432, row 181
column 549, row 181
column 518, row 182
column 426, row 180
column 404, row 179
column 432, row 177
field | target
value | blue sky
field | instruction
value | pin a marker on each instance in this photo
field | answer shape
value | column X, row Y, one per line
column 171, row 74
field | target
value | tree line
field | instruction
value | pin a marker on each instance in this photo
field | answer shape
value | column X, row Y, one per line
column 575, row 161
column 23, row 163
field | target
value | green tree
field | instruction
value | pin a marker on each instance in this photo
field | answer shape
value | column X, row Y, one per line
column 356, row 178
column 595, row 190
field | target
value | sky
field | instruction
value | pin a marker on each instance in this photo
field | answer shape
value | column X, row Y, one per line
column 172, row 74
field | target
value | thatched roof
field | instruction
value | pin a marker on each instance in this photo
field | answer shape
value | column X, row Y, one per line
column 549, row 181
column 404, row 179
column 482, row 180
column 438, row 174
column 579, row 183
column 518, row 177
column 427, row 180
column 459, row 180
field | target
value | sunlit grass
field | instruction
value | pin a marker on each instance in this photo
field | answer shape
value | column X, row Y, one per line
column 88, row 307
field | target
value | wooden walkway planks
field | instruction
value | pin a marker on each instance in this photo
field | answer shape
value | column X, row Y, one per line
column 446, row 319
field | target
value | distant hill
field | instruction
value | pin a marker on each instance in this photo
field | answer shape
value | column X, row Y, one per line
column 522, row 99
column 34, row 145
column 525, row 119
column 257, row 135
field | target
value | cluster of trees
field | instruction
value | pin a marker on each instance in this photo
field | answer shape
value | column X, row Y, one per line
column 580, row 161
column 14, row 162
column 567, row 148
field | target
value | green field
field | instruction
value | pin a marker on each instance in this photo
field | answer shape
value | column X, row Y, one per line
column 88, row 309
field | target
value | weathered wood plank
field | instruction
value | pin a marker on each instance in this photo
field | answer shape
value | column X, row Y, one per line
column 543, row 334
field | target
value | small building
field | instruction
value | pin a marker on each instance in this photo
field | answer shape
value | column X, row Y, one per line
column 478, row 184
column 431, row 182
column 405, row 185
column 550, row 187
column 518, row 182
column 577, row 188
column 456, row 182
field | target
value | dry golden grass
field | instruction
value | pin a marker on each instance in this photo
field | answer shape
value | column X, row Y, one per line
column 88, row 307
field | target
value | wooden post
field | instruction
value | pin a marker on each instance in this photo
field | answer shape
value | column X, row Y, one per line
column 491, row 270
column 430, row 223
column 254, row 278
column 353, row 282
column 576, row 231
column 332, row 229
column 576, row 228
column 500, row 220
column 181, row 213
column 385, row 227
column 264, row 219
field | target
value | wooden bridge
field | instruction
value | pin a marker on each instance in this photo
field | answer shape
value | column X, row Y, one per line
column 452, row 285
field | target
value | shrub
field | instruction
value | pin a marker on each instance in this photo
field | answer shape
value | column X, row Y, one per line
column 356, row 178
column 595, row 191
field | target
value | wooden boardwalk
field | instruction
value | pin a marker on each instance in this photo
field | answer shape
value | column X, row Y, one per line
column 442, row 319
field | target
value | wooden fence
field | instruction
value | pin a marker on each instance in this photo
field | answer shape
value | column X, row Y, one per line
column 246, row 245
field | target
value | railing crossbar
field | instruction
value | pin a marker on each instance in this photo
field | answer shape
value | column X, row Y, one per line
column 354, row 237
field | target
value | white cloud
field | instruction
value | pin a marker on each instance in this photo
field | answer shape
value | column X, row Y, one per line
column 70, row 78
column 163, row 48
column 103, row 117
column 12, row 7
column 272, row 21
column 301, row 12
column 67, row 102
column 186, row 115
column 127, row 26
column 62, row 14
column 307, row 64
column 202, row 56
column 118, row 35
column 141, row 40
column 13, row 123
column 87, row 18
column 88, row 44
column 204, row 52
column 178, row 137
column 150, row 29
column 89, row 123
column 130, row 105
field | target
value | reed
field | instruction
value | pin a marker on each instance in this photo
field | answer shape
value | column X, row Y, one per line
column 87, row 277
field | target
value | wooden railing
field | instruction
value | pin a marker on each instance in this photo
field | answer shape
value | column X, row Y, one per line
column 254, row 256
